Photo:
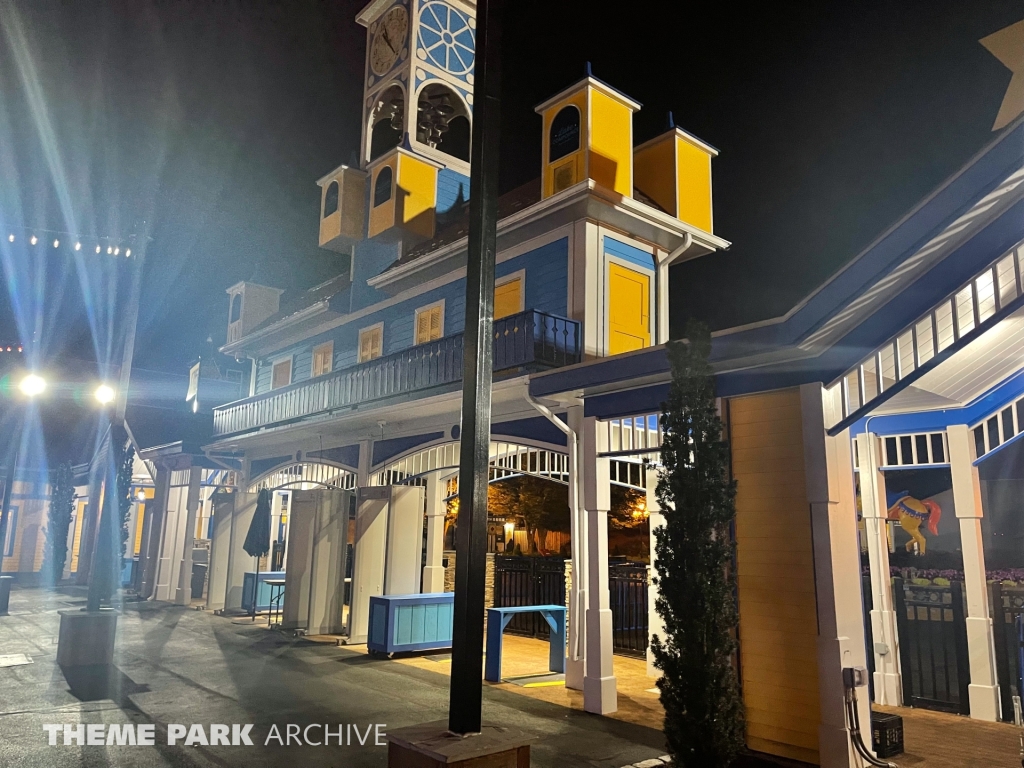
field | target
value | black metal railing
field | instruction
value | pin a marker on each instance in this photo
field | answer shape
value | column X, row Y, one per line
column 934, row 661
column 528, row 581
column 529, row 340
column 1007, row 606
column 627, row 588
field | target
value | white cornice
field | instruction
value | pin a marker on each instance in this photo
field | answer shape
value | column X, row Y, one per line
column 597, row 85
column 334, row 174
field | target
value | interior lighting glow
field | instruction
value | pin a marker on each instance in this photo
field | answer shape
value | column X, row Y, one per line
column 104, row 394
column 32, row 385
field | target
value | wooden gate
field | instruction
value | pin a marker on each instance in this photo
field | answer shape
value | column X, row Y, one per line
column 933, row 645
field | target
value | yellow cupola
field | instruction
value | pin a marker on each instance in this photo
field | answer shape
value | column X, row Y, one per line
column 588, row 134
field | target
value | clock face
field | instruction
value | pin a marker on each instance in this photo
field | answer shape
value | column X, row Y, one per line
column 389, row 40
column 446, row 38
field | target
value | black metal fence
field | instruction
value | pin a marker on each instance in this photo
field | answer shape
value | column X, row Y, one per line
column 529, row 581
column 627, row 587
column 1007, row 606
column 933, row 645
column 541, row 581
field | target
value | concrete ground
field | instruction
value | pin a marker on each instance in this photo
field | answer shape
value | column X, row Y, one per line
column 180, row 666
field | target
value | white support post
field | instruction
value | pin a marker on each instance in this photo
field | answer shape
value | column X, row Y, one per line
column 433, row 571
column 365, row 461
column 577, row 630
column 828, row 468
column 655, row 625
column 983, row 692
column 884, row 636
column 183, row 595
column 599, row 686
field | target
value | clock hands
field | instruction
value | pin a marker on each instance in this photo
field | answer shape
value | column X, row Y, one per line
column 387, row 39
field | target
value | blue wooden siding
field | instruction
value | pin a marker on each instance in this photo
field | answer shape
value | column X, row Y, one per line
column 628, row 252
column 451, row 188
column 546, row 290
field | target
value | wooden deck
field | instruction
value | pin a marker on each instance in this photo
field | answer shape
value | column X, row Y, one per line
column 938, row 740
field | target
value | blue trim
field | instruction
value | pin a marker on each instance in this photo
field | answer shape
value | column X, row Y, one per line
column 998, row 448
column 346, row 455
column 979, row 409
column 538, row 429
column 609, row 370
column 628, row 252
column 632, row 402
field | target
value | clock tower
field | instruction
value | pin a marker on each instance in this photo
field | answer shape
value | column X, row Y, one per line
column 419, row 79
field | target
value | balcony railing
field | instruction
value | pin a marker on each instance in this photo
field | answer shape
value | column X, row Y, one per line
column 529, row 340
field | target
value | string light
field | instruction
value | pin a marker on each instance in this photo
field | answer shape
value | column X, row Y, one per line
column 78, row 246
column 110, row 249
column 98, row 249
column 33, row 240
column 10, row 238
column 127, row 252
column 112, row 245
column 56, row 243
column 117, row 251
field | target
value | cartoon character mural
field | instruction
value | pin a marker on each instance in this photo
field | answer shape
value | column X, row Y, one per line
column 910, row 513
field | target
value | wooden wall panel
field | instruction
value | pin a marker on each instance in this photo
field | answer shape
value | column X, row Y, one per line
column 775, row 574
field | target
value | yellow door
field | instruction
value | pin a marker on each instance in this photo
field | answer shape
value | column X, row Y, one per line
column 508, row 298
column 629, row 310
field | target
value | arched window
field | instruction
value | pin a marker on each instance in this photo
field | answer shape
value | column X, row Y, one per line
column 236, row 308
column 331, row 199
column 443, row 121
column 382, row 186
column 387, row 122
column 564, row 136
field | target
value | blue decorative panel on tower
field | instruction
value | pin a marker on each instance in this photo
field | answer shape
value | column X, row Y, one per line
column 446, row 38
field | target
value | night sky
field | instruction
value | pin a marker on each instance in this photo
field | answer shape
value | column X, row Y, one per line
column 212, row 120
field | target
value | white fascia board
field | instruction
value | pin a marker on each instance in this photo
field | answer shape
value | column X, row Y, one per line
column 253, row 339
column 333, row 174
column 586, row 192
column 372, row 10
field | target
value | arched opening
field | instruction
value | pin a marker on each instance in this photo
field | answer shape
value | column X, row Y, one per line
column 383, row 185
column 564, row 135
column 236, row 308
column 331, row 199
column 443, row 121
column 386, row 122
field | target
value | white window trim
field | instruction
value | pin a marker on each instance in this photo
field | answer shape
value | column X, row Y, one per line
column 416, row 319
column 652, row 293
column 520, row 275
column 312, row 361
column 291, row 370
column 359, row 341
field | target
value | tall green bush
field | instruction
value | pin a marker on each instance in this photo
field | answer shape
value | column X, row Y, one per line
column 704, row 720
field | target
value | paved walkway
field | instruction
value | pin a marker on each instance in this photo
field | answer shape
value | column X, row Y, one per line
column 940, row 740
column 176, row 665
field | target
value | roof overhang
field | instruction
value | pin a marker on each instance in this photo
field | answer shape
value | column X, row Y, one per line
column 586, row 200
column 283, row 332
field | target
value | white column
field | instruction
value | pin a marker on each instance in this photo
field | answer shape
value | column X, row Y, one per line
column 183, row 596
column 599, row 687
column 828, row 468
column 433, row 571
column 874, row 508
column 365, row 460
column 656, row 520
column 983, row 692
column 578, row 532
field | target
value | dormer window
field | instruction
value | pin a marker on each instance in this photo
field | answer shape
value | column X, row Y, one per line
column 565, row 133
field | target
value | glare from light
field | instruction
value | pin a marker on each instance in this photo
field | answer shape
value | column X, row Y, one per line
column 127, row 252
column 32, row 385
column 10, row 238
column 56, row 243
column 140, row 495
column 105, row 394
column 78, row 246
column 33, row 240
column 97, row 249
